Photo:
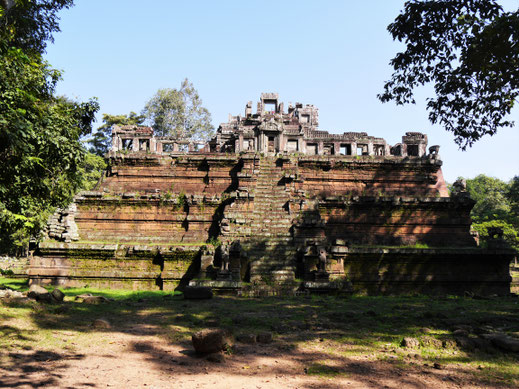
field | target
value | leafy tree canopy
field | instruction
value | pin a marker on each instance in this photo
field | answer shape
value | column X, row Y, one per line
column 513, row 195
column 469, row 51
column 91, row 170
column 179, row 113
column 40, row 152
column 491, row 198
column 100, row 141
column 29, row 24
column 496, row 206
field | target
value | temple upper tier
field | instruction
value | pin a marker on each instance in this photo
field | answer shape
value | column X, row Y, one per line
column 272, row 130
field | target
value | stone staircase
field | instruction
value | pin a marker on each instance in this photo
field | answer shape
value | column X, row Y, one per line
column 271, row 250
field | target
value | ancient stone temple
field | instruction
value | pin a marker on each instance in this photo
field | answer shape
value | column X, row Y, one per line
column 271, row 202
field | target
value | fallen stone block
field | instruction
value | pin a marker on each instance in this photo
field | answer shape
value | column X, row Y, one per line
column 101, row 323
column 264, row 337
column 39, row 293
column 246, row 338
column 198, row 293
column 210, row 341
column 410, row 343
column 57, row 295
column 503, row 342
column 95, row 300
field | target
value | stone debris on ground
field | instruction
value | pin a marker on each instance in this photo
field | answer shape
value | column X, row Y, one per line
column 42, row 295
column 246, row 338
column 503, row 342
column 409, row 342
column 198, row 293
column 9, row 293
column 210, row 341
column 94, row 300
column 264, row 337
column 101, row 324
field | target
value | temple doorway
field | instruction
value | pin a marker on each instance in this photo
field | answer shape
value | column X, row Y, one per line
column 271, row 144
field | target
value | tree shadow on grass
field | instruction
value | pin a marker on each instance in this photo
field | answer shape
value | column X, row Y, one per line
column 326, row 334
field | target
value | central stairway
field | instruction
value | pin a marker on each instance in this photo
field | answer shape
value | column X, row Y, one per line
column 271, row 249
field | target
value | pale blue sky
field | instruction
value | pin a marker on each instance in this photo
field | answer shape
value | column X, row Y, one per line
column 333, row 54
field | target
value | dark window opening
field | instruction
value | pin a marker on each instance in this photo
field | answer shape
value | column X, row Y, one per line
column 144, row 145
column 127, row 144
column 412, row 150
column 328, row 149
column 167, row 147
column 271, row 144
column 345, row 149
column 380, row 150
column 248, row 145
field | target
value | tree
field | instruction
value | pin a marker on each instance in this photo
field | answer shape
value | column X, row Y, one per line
column 91, row 170
column 491, row 198
column 495, row 207
column 469, row 51
column 100, row 141
column 40, row 152
column 179, row 113
column 513, row 195
column 29, row 24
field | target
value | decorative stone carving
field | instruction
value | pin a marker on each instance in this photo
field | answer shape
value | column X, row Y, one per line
column 62, row 225
column 459, row 189
column 322, row 259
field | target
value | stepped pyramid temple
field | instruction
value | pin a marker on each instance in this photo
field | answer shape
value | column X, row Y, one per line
column 271, row 204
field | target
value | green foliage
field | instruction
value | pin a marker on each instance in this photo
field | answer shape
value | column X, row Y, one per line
column 510, row 234
column 179, row 113
column 39, row 133
column 215, row 242
column 29, row 24
column 469, row 51
column 91, row 170
column 100, row 141
column 513, row 195
column 181, row 199
column 491, row 198
column 496, row 206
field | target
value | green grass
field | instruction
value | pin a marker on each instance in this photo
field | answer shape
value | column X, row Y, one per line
column 119, row 294
column 332, row 328
column 19, row 284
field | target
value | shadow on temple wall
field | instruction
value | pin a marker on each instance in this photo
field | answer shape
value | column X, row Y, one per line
column 191, row 273
column 215, row 230
column 395, row 265
column 234, row 176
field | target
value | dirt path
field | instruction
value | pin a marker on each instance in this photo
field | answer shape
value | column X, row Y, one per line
column 123, row 360
column 317, row 343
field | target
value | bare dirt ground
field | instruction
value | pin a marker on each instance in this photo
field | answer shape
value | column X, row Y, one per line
column 318, row 343
column 137, row 360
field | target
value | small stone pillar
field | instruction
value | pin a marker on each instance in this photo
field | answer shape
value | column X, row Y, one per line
column 320, row 148
column 353, row 148
column 370, row 148
column 136, row 144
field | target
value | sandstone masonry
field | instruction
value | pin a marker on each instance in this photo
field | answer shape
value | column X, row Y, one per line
column 271, row 203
